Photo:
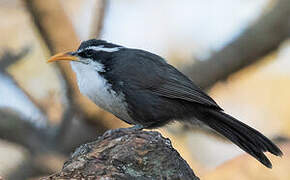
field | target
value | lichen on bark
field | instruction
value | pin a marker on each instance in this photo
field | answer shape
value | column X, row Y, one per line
column 126, row 154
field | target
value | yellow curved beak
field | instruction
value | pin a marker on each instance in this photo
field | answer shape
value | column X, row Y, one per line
column 62, row 57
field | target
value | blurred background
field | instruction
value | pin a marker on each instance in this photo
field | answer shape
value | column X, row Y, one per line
column 238, row 51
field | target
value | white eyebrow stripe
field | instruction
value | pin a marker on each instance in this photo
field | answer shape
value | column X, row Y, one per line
column 102, row 48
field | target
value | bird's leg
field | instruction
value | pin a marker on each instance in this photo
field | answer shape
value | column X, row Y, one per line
column 137, row 127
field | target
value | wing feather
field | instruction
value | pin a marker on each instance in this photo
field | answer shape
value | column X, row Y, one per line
column 178, row 86
column 149, row 71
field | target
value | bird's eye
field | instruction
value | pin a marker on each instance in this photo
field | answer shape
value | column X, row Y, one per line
column 89, row 53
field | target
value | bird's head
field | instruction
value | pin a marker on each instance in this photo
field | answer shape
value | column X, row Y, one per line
column 91, row 53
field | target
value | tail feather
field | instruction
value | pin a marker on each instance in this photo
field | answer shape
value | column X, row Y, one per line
column 247, row 138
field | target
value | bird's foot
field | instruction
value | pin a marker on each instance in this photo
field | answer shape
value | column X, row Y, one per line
column 137, row 127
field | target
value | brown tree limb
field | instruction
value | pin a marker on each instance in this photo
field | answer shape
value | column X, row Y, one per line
column 9, row 58
column 59, row 34
column 126, row 154
column 15, row 128
column 259, row 39
column 33, row 100
column 98, row 19
column 40, row 141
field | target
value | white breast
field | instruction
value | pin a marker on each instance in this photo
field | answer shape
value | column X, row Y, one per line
column 96, row 88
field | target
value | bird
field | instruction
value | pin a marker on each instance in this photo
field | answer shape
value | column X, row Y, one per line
column 143, row 90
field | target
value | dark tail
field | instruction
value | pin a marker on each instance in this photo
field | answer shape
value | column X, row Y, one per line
column 247, row 138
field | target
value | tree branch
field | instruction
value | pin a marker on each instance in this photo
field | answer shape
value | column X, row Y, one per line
column 14, row 128
column 59, row 34
column 8, row 57
column 126, row 154
column 98, row 20
column 257, row 40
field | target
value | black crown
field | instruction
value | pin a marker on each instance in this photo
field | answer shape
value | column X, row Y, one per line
column 97, row 42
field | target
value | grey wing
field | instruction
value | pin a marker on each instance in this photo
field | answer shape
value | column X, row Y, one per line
column 149, row 71
column 178, row 86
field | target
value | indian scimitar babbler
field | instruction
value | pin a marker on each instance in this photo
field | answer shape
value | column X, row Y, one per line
column 140, row 88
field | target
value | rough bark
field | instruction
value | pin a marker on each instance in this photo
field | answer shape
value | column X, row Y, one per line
column 126, row 154
column 259, row 39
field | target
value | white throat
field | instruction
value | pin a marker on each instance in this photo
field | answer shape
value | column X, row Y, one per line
column 97, row 89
